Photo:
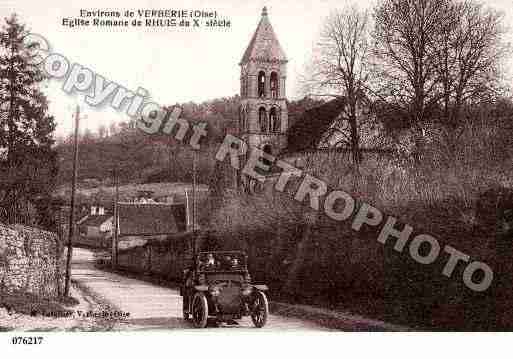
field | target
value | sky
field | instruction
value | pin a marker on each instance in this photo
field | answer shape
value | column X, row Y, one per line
column 175, row 65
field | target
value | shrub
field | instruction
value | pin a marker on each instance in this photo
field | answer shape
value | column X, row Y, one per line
column 439, row 192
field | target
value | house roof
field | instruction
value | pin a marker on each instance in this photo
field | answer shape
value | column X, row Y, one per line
column 96, row 220
column 264, row 45
column 151, row 218
column 307, row 131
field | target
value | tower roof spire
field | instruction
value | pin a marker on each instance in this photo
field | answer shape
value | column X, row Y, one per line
column 264, row 45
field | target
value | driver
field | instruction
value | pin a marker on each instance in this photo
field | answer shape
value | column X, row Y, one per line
column 227, row 262
column 210, row 260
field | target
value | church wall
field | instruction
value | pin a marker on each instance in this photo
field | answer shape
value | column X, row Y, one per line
column 251, row 69
column 253, row 106
column 277, row 142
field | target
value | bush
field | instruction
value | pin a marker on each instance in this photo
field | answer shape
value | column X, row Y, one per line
column 439, row 192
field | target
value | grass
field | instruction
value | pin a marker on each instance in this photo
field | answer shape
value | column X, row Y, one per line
column 30, row 304
column 449, row 190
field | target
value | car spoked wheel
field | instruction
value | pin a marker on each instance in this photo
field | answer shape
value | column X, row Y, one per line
column 199, row 310
column 260, row 310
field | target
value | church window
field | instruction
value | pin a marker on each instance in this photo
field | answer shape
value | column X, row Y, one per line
column 274, row 120
column 261, row 84
column 274, row 84
column 262, row 119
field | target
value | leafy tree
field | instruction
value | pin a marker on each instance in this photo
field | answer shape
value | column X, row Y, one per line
column 28, row 163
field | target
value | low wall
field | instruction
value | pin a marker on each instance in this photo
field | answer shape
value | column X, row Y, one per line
column 31, row 260
column 163, row 257
column 92, row 242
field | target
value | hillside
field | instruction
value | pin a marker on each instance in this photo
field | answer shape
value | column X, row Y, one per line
column 140, row 158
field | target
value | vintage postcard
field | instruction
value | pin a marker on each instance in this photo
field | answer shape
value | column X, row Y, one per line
column 255, row 167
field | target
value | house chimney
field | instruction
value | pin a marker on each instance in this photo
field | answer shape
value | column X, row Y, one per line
column 93, row 210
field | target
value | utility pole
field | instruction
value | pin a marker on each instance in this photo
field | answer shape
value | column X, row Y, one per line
column 194, row 200
column 114, row 256
column 72, row 211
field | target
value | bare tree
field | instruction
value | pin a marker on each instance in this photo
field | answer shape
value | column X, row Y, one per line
column 437, row 54
column 102, row 131
column 340, row 68
column 407, row 37
column 478, row 48
column 446, row 59
column 113, row 129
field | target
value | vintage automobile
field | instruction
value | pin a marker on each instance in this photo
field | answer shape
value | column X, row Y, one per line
column 218, row 285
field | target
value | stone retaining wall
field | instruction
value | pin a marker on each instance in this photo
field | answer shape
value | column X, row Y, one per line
column 31, row 260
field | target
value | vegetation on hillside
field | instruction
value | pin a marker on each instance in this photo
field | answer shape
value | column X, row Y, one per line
column 140, row 158
column 436, row 90
column 28, row 162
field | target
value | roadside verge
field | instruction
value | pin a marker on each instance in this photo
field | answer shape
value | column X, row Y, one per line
column 327, row 318
column 333, row 319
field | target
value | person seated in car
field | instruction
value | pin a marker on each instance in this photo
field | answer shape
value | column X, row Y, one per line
column 227, row 262
column 210, row 260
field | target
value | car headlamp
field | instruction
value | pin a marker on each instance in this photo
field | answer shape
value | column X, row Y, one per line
column 247, row 290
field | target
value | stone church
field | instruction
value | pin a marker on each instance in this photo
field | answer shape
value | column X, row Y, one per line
column 263, row 117
column 263, row 121
column 263, row 114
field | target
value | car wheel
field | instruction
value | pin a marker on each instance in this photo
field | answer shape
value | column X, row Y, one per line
column 200, row 310
column 260, row 310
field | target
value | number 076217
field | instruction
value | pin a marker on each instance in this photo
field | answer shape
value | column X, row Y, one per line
column 27, row 340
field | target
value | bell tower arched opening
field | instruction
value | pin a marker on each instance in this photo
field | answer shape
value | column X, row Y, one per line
column 261, row 84
column 262, row 119
column 273, row 80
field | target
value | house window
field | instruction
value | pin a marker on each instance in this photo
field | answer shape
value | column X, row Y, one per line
column 274, row 84
column 261, row 84
column 262, row 119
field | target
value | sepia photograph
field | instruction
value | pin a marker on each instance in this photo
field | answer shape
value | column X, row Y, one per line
column 223, row 171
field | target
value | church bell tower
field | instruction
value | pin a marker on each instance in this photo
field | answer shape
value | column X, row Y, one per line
column 263, row 117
